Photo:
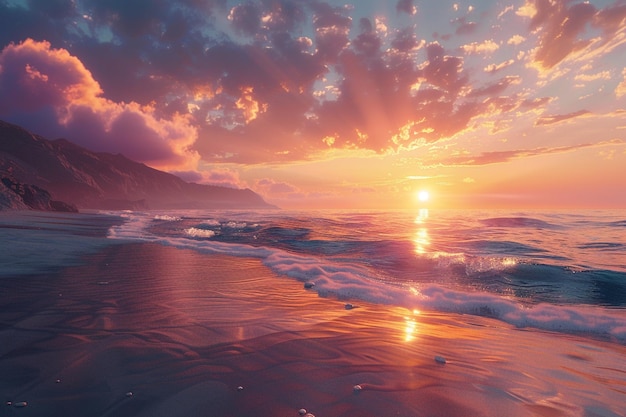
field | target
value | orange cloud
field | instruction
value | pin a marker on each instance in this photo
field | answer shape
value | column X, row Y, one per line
column 487, row 46
column 620, row 90
column 493, row 68
column 34, row 75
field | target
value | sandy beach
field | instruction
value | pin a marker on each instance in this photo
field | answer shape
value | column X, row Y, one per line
column 150, row 330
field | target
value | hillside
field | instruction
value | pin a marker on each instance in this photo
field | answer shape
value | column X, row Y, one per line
column 97, row 180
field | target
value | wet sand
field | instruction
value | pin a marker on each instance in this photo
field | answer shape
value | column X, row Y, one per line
column 150, row 330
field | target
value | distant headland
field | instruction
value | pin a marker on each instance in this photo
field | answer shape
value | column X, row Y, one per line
column 58, row 175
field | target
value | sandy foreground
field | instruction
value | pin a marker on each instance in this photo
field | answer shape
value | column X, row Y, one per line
column 150, row 330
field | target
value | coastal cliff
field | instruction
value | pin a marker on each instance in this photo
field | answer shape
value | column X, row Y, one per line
column 31, row 164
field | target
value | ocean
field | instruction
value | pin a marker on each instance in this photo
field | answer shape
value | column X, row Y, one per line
column 530, row 304
column 547, row 270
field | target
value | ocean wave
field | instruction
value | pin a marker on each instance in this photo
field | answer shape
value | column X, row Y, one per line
column 354, row 281
column 350, row 282
column 603, row 246
column 365, row 278
column 518, row 222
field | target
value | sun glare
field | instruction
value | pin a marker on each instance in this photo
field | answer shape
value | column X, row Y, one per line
column 423, row 196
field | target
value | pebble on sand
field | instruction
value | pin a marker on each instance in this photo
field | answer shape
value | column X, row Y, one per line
column 440, row 359
column 20, row 404
column 309, row 284
column 302, row 411
column 129, row 394
column 357, row 388
column 239, row 388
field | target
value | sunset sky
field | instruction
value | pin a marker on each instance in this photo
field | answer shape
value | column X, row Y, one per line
column 336, row 104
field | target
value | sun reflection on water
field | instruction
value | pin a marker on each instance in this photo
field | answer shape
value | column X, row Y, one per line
column 410, row 328
column 421, row 239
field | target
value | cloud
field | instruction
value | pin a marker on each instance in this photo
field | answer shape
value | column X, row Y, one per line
column 562, row 25
column 487, row 46
column 515, row 40
column 493, row 68
column 255, row 82
column 406, row 6
column 557, row 118
column 280, row 192
column 246, row 18
column 496, row 157
column 464, row 27
column 603, row 75
column 222, row 177
column 620, row 90
column 38, row 79
column 188, row 93
column 496, row 88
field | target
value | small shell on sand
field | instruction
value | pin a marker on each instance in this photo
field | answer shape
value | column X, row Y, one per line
column 357, row 388
column 302, row 411
column 129, row 394
column 440, row 359
column 239, row 388
column 20, row 404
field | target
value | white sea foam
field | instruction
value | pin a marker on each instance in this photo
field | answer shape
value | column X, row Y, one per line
column 167, row 218
column 133, row 228
column 211, row 223
column 235, row 225
column 202, row 233
column 354, row 282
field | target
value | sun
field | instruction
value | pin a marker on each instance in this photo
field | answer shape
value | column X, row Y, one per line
column 423, row 196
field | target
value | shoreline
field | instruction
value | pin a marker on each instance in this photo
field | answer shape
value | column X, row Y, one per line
column 143, row 329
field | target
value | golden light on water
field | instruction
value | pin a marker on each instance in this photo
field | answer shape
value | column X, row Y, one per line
column 422, row 216
column 421, row 239
column 410, row 330
column 410, row 327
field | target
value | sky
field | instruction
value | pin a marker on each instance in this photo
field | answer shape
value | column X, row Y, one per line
column 336, row 104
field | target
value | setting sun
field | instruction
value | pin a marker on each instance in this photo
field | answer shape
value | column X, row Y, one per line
column 423, row 196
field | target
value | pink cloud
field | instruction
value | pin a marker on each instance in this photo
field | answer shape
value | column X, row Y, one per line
column 557, row 118
column 273, row 187
column 496, row 88
column 487, row 158
column 36, row 78
column 279, row 192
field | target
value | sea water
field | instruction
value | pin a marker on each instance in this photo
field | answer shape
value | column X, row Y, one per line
column 557, row 271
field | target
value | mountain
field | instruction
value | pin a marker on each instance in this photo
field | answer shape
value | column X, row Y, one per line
column 98, row 180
